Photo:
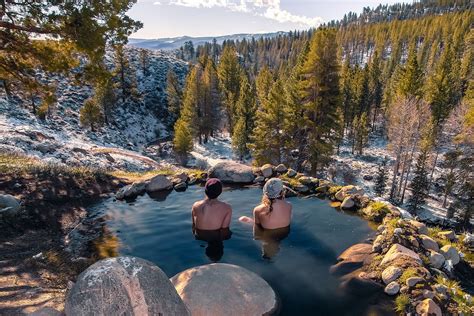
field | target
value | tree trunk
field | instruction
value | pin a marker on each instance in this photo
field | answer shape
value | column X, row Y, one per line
column 394, row 177
column 433, row 170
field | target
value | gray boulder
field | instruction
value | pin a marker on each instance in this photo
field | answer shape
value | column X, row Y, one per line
column 390, row 274
column 412, row 281
column 397, row 251
column 392, row 288
column 159, row 183
column 232, row 172
column 8, row 203
column 225, row 289
column 429, row 243
column 450, row 253
column 267, row 170
column 436, row 259
column 348, row 190
column 348, row 203
column 291, row 173
column 281, row 168
column 422, row 229
column 124, row 286
column 131, row 191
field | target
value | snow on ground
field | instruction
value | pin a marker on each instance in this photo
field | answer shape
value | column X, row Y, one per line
column 208, row 154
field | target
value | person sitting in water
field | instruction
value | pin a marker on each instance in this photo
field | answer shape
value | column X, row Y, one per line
column 274, row 212
column 210, row 213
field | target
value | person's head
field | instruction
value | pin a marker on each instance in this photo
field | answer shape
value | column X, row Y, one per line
column 272, row 190
column 213, row 188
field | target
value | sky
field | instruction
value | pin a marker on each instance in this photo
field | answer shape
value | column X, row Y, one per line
column 173, row 18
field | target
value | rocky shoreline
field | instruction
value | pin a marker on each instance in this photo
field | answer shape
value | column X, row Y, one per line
column 418, row 264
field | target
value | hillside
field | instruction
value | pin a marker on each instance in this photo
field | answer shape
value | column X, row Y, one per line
column 60, row 138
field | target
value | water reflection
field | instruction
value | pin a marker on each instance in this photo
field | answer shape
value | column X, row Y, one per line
column 214, row 238
column 271, row 239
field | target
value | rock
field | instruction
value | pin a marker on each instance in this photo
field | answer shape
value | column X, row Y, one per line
column 378, row 243
column 428, row 243
column 422, row 229
column 281, row 168
column 124, row 286
column 469, row 240
column 392, row 288
column 8, row 203
column 441, row 288
column 356, row 253
column 322, row 189
column 46, row 311
column 225, row 289
column 428, row 307
column 182, row 176
column 397, row 251
column 348, row 203
column 344, row 267
column 390, row 274
column 180, row 187
column 348, row 190
column 291, row 173
column 259, row 179
column 428, row 294
column 404, row 289
column 449, row 235
column 450, row 253
column 414, row 241
column 436, row 259
column 232, row 172
column 367, row 177
column 159, row 183
column 301, row 188
column 131, row 191
column 398, row 231
column 412, row 281
column 305, row 180
column 267, row 170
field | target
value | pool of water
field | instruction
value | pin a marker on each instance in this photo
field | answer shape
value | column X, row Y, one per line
column 159, row 229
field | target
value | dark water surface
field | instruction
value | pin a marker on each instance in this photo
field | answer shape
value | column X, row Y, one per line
column 159, row 229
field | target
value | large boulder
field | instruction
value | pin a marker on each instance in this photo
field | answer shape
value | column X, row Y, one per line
column 225, row 289
column 436, row 259
column 124, row 286
column 159, row 183
column 232, row 172
column 356, row 253
column 348, row 190
column 267, row 170
column 392, row 288
column 397, row 251
column 281, row 168
column 448, row 234
column 131, row 191
column 291, row 173
column 8, row 203
column 450, row 253
column 429, row 243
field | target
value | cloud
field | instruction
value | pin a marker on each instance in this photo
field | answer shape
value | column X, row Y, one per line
column 270, row 9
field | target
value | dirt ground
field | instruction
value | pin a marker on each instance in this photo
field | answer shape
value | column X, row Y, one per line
column 35, row 268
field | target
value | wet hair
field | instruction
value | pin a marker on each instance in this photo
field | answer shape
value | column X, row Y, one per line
column 213, row 188
column 269, row 202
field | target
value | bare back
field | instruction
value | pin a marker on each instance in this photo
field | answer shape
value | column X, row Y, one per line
column 279, row 217
column 211, row 214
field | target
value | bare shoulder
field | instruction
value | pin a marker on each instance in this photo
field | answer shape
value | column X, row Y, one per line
column 226, row 206
column 259, row 208
column 198, row 204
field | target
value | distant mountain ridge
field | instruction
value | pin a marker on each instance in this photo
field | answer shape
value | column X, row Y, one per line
column 172, row 43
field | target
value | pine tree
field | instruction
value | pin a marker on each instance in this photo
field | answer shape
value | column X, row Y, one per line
column 191, row 102
column 376, row 85
column 245, row 112
column 174, row 95
column 381, row 179
column 182, row 141
column 211, row 102
column 410, row 81
column 229, row 72
column 264, row 82
column 125, row 76
column 361, row 133
column 419, row 184
column 105, row 97
column 267, row 140
column 319, row 90
column 90, row 114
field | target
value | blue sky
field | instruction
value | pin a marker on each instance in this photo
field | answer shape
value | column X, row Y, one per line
column 171, row 18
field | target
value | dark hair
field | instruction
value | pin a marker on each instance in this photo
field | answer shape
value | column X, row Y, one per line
column 213, row 188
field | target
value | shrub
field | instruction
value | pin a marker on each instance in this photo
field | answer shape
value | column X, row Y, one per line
column 401, row 303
